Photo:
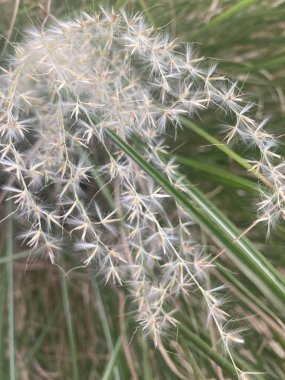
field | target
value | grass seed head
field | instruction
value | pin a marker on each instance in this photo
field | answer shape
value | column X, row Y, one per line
column 63, row 88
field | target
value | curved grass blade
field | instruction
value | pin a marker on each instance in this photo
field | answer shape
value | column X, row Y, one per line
column 245, row 255
column 220, row 174
column 225, row 149
column 226, row 15
column 211, row 139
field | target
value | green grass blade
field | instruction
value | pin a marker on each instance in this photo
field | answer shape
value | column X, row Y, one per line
column 194, row 365
column 69, row 326
column 222, row 147
column 199, row 345
column 246, row 256
column 248, row 251
column 112, row 361
column 10, row 295
column 227, row 14
column 244, row 290
column 220, row 174
column 16, row 256
column 106, row 329
column 254, row 302
column 147, row 372
column 217, row 143
column 272, row 63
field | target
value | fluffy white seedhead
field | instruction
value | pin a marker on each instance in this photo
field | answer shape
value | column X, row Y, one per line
column 62, row 90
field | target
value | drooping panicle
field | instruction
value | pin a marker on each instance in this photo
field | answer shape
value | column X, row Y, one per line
column 63, row 89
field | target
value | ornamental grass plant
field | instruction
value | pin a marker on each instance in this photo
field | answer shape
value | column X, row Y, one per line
column 118, row 249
